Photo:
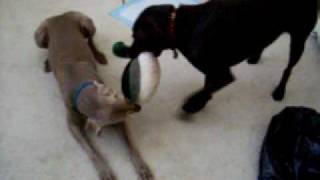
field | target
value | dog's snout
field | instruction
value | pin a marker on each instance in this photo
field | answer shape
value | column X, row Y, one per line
column 137, row 107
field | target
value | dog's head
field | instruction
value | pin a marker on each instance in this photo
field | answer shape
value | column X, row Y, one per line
column 110, row 108
column 151, row 31
column 82, row 22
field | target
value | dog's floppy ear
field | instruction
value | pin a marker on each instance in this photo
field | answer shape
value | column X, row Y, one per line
column 41, row 35
column 87, row 27
column 86, row 24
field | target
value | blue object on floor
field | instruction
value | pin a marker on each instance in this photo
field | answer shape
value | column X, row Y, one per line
column 129, row 12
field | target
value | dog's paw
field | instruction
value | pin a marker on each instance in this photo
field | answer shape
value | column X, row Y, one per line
column 196, row 102
column 145, row 173
column 278, row 94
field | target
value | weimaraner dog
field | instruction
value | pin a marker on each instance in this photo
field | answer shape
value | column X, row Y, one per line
column 90, row 104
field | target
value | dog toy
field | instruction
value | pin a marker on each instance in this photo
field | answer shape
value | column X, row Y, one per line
column 119, row 49
column 141, row 78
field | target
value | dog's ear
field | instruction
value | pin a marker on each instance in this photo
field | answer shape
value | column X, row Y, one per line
column 87, row 27
column 41, row 35
column 86, row 24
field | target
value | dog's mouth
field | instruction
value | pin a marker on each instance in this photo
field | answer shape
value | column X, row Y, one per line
column 135, row 53
column 124, row 51
column 136, row 108
column 157, row 53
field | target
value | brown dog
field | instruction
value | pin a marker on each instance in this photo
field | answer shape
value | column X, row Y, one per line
column 72, row 56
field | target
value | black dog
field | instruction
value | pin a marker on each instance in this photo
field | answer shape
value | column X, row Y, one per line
column 221, row 33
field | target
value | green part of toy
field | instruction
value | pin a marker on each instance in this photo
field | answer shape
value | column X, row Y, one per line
column 131, row 81
column 119, row 49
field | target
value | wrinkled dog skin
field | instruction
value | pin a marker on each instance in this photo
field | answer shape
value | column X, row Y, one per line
column 216, row 35
column 72, row 57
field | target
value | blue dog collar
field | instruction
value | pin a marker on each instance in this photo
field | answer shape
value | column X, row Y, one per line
column 77, row 93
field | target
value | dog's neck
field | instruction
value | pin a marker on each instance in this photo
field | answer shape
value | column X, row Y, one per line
column 77, row 93
column 85, row 100
column 186, row 20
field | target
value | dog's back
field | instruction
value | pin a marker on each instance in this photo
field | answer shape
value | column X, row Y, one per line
column 243, row 26
column 246, row 26
column 67, row 41
column 70, row 56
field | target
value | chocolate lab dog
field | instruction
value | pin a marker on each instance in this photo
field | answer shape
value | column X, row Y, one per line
column 90, row 104
column 218, row 34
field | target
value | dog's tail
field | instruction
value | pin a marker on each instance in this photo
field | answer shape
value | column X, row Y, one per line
column 77, row 130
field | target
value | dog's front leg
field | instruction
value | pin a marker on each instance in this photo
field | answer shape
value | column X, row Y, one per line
column 213, row 83
column 141, row 167
column 99, row 56
column 79, row 133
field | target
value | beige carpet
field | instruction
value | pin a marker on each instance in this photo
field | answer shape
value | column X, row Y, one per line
column 220, row 143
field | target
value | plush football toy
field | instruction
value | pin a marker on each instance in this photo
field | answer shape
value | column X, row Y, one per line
column 141, row 78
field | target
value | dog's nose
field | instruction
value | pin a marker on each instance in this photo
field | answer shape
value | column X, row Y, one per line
column 137, row 107
column 133, row 108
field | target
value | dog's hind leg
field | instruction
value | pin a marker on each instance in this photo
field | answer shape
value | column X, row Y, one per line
column 78, row 131
column 213, row 83
column 296, row 50
column 141, row 167
column 299, row 30
column 99, row 56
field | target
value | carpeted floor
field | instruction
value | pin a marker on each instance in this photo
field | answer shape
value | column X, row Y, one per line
column 220, row 143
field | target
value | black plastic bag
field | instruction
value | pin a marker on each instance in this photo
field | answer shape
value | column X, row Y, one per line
column 291, row 148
